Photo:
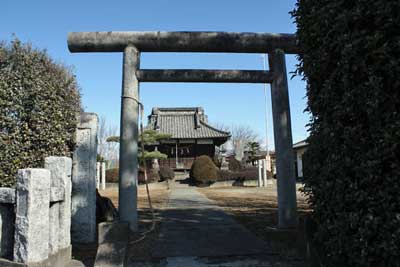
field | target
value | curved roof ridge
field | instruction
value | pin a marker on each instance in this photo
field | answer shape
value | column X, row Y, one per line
column 213, row 128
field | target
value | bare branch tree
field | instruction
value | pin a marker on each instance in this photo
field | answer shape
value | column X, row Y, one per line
column 241, row 136
column 108, row 150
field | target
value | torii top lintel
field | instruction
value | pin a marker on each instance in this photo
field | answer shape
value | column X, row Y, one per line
column 225, row 42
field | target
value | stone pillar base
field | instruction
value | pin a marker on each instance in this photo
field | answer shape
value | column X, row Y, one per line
column 59, row 259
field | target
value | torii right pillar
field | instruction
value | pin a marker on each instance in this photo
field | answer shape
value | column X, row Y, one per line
column 287, row 204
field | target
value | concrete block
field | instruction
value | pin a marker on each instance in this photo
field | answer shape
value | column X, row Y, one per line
column 32, row 216
column 7, row 195
column 74, row 263
column 7, row 219
column 111, row 232
column 57, row 194
column 111, row 255
column 9, row 263
column 54, row 225
column 83, row 227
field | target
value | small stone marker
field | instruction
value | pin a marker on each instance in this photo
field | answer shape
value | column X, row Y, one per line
column 83, row 225
column 7, row 218
column 103, row 176
column 98, row 166
column 60, row 212
column 259, row 173
column 264, row 167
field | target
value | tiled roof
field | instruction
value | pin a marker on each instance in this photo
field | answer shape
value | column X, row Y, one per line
column 301, row 143
column 184, row 123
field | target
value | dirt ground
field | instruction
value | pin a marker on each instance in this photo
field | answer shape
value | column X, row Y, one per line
column 159, row 195
column 256, row 209
column 139, row 246
column 253, row 207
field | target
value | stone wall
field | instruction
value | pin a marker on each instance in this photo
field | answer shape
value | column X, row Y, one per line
column 35, row 217
column 49, row 205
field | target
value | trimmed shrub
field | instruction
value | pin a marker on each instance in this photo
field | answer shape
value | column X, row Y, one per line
column 152, row 176
column 234, row 165
column 39, row 101
column 250, row 173
column 112, row 175
column 166, row 173
column 349, row 55
column 225, row 175
column 203, row 170
column 217, row 161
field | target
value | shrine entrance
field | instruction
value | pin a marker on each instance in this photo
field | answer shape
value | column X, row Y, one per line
column 132, row 43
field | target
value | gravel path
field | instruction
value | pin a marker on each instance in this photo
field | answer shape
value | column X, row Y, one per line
column 196, row 232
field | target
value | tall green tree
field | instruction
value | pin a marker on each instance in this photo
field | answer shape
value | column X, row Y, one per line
column 39, row 102
column 349, row 54
column 253, row 148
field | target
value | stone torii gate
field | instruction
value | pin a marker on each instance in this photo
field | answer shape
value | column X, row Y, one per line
column 132, row 43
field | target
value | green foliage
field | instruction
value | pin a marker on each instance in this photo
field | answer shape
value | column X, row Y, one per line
column 203, row 170
column 350, row 58
column 152, row 136
column 166, row 173
column 39, row 101
column 149, row 137
column 100, row 158
column 253, row 147
column 154, row 155
column 113, row 139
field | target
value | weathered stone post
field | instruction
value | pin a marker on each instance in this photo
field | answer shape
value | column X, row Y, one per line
column 32, row 216
column 264, row 167
column 128, row 168
column 268, row 161
column 7, row 219
column 98, row 166
column 259, row 173
column 287, row 204
column 103, row 176
column 60, row 212
column 83, row 206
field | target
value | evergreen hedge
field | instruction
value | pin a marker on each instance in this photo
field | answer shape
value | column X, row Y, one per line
column 350, row 58
column 39, row 100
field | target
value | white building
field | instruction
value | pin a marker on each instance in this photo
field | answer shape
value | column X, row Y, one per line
column 299, row 148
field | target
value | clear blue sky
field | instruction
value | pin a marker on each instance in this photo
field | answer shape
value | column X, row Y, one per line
column 46, row 23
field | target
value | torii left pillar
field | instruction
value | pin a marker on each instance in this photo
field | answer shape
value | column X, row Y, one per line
column 128, row 169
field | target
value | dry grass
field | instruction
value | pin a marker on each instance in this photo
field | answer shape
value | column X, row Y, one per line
column 256, row 209
column 157, row 191
column 159, row 195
